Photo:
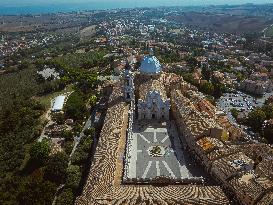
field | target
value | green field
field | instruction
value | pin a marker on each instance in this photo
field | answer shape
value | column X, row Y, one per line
column 269, row 31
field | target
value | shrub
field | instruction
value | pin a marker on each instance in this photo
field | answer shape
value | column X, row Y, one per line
column 55, row 170
column 65, row 198
column 73, row 177
column 40, row 151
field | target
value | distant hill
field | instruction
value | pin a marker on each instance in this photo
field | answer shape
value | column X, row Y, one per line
column 222, row 22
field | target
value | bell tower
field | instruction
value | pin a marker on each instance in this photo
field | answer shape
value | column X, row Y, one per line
column 128, row 83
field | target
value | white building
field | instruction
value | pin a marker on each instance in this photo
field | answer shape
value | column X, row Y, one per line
column 150, row 65
column 153, row 106
column 152, row 100
column 58, row 103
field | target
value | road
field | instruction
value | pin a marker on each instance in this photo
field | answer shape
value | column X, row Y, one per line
column 264, row 30
column 50, row 122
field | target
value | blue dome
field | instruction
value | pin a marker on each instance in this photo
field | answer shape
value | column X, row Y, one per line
column 150, row 65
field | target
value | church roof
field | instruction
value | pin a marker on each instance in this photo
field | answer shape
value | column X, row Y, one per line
column 148, row 85
column 150, row 65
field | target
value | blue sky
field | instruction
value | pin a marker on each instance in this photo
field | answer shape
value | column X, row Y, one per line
column 134, row 2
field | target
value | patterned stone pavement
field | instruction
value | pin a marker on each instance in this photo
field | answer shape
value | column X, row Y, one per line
column 144, row 165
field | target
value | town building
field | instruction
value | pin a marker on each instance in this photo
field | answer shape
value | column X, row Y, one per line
column 58, row 104
column 148, row 104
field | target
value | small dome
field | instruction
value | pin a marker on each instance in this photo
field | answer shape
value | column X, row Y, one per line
column 150, row 65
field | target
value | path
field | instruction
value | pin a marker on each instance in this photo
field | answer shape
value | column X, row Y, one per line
column 78, row 138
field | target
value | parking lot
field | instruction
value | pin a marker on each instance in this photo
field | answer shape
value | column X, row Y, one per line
column 242, row 102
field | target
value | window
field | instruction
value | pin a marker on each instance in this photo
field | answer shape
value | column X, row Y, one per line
column 128, row 96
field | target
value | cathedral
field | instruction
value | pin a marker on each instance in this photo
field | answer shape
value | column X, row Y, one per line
column 146, row 89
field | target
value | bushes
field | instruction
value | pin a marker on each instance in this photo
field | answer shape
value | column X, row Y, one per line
column 83, row 150
column 17, row 128
column 73, row 177
column 75, row 106
column 37, row 192
column 207, row 88
column 234, row 112
column 68, row 146
column 89, row 131
column 256, row 118
column 39, row 151
column 68, row 135
column 66, row 197
column 82, row 60
column 55, row 170
column 93, row 100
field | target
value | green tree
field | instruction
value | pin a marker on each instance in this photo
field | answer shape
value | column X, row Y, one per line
column 75, row 106
column 268, row 134
column 81, row 154
column 219, row 89
column 35, row 191
column 68, row 147
column 66, row 197
column 40, row 151
column 234, row 112
column 89, row 131
column 68, row 135
column 206, row 72
column 188, row 77
column 207, row 88
column 240, row 76
column 55, row 170
column 93, row 100
column 268, row 110
column 59, row 118
column 25, row 64
column 73, row 177
column 192, row 62
column 256, row 118
column 77, row 128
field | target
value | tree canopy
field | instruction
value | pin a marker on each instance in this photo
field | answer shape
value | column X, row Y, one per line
column 55, row 170
column 39, row 151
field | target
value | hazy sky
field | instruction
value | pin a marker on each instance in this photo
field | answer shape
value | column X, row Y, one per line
column 138, row 2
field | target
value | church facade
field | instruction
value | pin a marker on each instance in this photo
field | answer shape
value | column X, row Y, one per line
column 150, row 96
column 153, row 107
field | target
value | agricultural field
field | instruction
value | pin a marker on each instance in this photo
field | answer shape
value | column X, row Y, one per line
column 269, row 31
column 88, row 32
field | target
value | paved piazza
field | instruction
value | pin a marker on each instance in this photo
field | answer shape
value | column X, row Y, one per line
column 156, row 151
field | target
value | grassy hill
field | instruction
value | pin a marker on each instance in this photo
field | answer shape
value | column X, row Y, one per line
column 222, row 22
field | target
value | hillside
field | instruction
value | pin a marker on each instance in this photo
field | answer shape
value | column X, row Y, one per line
column 222, row 22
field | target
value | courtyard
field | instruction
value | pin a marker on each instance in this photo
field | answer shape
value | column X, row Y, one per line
column 155, row 151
